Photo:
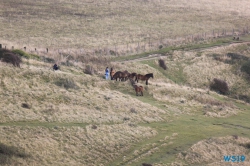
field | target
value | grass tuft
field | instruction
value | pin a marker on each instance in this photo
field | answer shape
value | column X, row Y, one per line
column 67, row 83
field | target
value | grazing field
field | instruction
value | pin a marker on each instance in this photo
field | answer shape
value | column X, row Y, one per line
column 85, row 24
column 70, row 117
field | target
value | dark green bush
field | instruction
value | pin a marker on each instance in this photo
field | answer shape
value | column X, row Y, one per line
column 9, row 57
column 7, row 152
column 235, row 56
column 162, row 64
column 246, row 67
column 219, row 86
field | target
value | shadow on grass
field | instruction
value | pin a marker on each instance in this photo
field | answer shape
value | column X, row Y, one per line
column 7, row 152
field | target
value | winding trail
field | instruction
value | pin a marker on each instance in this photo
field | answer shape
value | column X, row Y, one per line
column 157, row 56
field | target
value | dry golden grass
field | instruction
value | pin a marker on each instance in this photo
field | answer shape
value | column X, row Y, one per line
column 75, row 145
column 69, row 97
column 73, row 118
column 114, row 24
column 65, row 97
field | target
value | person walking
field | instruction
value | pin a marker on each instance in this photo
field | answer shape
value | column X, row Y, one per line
column 107, row 73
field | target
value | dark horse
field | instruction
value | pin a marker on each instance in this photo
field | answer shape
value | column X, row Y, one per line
column 132, row 76
column 121, row 76
column 144, row 77
column 138, row 89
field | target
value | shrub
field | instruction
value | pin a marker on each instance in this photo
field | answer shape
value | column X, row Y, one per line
column 162, row 64
column 235, row 56
column 25, row 105
column 244, row 98
column 219, row 86
column 66, row 83
column 48, row 60
column 246, row 67
column 7, row 152
column 9, row 57
column 89, row 70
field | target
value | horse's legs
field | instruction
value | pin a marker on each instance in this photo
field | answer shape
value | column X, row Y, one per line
column 141, row 93
column 146, row 82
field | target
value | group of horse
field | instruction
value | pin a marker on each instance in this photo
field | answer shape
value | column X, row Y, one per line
column 133, row 77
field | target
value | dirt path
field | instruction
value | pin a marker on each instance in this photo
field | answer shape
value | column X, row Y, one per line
column 158, row 56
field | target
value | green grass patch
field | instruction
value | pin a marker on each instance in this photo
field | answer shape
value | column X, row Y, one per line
column 190, row 130
column 25, row 54
column 175, row 74
column 42, row 124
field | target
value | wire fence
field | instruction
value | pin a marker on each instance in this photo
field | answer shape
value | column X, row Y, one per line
column 147, row 45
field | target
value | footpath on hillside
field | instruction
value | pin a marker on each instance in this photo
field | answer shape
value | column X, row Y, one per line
column 160, row 54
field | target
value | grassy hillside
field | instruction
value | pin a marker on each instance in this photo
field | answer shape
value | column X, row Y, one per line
column 75, row 117
column 69, row 117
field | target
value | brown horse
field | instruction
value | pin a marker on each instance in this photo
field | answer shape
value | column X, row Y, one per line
column 132, row 76
column 126, row 75
column 138, row 89
column 112, row 72
column 120, row 75
column 144, row 77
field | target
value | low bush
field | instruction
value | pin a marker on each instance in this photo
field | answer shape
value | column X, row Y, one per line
column 7, row 152
column 89, row 70
column 219, row 86
column 48, row 60
column 245, row 98
column 162, row 64
column 246, row 67
column 66, row 83
column 9, row 57
column 235, row 56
